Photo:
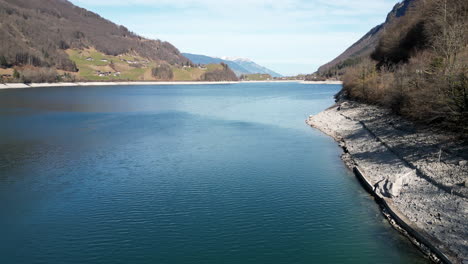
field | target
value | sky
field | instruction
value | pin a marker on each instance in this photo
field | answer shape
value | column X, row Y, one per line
column 287, row 36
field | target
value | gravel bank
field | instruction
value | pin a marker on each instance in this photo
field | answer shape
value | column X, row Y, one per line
column 419, row 174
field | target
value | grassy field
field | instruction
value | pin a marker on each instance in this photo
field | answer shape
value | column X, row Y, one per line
column 123, row 67
column 92, row 63
column 193, row 73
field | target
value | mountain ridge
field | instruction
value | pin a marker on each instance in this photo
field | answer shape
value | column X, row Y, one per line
column 55, row 40
column 365, row 45
column 38, row 32
column 237, row 64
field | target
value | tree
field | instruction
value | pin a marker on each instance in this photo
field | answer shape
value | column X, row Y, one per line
column 163, row 72
column 3, row 61
column 16, row 74
column 448, row 29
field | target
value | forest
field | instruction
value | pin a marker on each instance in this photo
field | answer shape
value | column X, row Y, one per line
column 419, row 68
column 36, row 35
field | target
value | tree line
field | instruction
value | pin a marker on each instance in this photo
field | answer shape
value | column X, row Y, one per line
column 419, row 68
column 38, row 33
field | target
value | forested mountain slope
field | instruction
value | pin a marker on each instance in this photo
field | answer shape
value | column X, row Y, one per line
column 364, row 46
column 38, row 33
column 54, row 40
column 417, row 65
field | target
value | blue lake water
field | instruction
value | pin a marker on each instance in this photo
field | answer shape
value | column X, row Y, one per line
column 181, row 174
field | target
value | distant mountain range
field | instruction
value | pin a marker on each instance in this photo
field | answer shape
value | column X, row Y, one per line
column 238, row 65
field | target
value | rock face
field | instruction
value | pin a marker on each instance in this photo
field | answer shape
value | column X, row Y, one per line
column 401, row 162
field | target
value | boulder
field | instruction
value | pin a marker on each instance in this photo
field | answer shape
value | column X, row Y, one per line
column 392, row 186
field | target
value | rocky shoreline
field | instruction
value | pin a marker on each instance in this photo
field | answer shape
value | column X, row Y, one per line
column 417, row 174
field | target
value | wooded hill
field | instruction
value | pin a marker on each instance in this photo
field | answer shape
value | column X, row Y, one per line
column 38, row 37
column 419, row 65
column 364, row 46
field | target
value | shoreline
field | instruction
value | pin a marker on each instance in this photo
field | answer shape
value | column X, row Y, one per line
column 73, row 84
column 422, row 195
column 322, row 82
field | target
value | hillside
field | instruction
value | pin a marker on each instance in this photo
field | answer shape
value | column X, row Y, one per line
column 39, row 32
column 54, row 40
column 240, row 66
column 364, row 46
column 414, row 64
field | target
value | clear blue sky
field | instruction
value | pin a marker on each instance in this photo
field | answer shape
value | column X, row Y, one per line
column 288, row 36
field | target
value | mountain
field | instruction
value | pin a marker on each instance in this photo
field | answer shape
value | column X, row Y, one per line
column 415, row 64
column 39, row 32
column 54, row 40
column 204, row 60
column 238, row 65
column 364, row 46
column 252, row 67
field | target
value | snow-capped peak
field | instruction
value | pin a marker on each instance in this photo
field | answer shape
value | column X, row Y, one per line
column 236, row 59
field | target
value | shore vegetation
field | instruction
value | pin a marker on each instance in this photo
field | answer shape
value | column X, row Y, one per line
column 419, row 68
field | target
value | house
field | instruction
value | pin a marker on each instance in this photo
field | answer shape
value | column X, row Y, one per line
column 103, row 74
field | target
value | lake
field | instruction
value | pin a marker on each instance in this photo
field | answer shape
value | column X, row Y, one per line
column 182, row 174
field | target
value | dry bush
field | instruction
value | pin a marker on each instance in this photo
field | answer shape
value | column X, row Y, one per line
column 422, row 66
column 163, row 72
column 359, row 81
column 38, row 75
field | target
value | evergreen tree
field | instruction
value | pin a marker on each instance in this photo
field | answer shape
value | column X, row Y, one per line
column 16, row 74
column 3, row 61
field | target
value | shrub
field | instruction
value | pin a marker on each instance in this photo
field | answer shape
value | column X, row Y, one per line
column 163, row 72
column 39, row 75
column 16, row 74
column 420, row 66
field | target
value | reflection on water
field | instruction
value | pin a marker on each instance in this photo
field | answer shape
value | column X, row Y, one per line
column 181, row 174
